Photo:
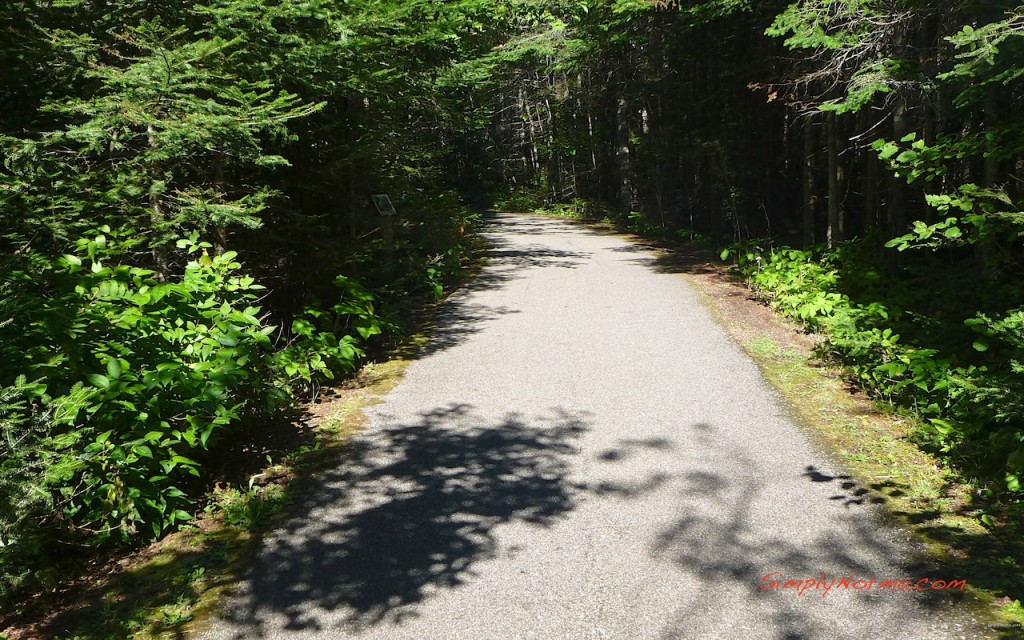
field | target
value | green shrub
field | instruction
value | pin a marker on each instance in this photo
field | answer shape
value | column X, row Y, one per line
column 322, row 343
column 578, row 209
column 117, row 381
column 137, row 375
column 970, row 409
column 520, row 200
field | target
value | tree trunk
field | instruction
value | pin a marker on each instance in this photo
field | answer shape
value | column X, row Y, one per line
column 157, row 218
column 554, row 158
column 990, row 177
column 220, row 231
column 810, row 197
column 870, row 197
column 353, row 104
column 834, row 234
column 896, row 207
column 524, row 144
column 591, row 139
column 623, row 161
column 991, row 167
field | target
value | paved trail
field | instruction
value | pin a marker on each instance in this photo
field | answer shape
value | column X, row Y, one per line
column 581, row 452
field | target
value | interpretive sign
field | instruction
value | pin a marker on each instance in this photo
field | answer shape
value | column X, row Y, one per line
column 383, row 204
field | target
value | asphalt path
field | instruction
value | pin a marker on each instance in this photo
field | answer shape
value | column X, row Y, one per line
column 582, row 452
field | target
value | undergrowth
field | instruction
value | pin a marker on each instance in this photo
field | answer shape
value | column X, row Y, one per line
column 911, row 337
column 117, row 384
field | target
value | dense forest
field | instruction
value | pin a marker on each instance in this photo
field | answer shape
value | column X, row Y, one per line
column 189, row 247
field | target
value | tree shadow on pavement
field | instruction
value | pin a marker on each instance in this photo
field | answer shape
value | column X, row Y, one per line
column 409, row 511
column 851, row 493
column 669, row 257
column 691, row 260
column 532, row 224
column 460, row 317
column 984, row 559
column 728, row 537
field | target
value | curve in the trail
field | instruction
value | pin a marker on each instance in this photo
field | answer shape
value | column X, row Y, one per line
column 582, row 452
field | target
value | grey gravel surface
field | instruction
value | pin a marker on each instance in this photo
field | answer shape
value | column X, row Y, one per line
column 582, row 452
